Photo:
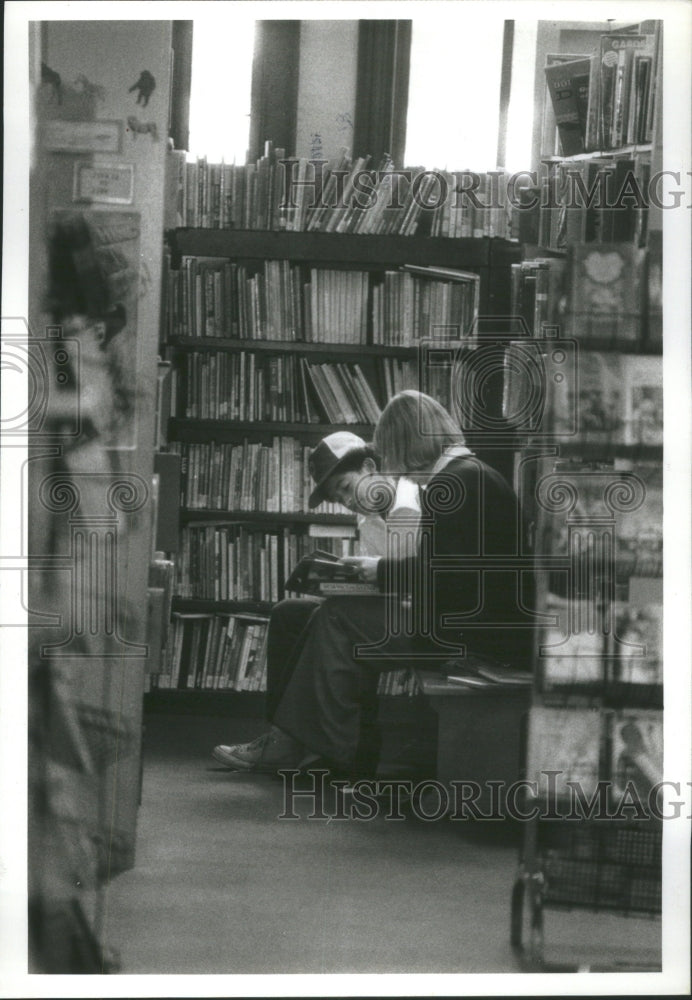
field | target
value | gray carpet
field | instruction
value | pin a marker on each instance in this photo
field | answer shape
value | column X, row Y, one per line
column 222, row 885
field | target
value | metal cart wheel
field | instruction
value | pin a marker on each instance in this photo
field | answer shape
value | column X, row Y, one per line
column 516, row 936
column 536, row 940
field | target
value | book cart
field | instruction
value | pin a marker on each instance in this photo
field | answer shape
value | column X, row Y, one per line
column 587, row 393
column 267, row 372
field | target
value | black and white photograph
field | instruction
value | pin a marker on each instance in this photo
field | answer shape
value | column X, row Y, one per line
column 345, row 541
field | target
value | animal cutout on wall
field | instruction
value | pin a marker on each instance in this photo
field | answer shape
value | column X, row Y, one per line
column 53, row 80
column 89, row 89
column 136, row 127
column 145, row 87
column 145, row 280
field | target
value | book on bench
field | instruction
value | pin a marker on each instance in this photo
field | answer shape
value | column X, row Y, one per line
column 487, row 675
column 322, row 574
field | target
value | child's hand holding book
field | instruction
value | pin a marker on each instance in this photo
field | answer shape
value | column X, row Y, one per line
column 365, row 567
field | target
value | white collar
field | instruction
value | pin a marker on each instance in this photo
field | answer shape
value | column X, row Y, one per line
column 453, row 451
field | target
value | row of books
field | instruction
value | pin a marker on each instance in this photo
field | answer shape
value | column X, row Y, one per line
column 583, row 397
column 245, row 385
column 607, row 99
column 215, row 652
column 210, row 297
column 247, row 476
column 231, row 562
column 416, row 303
column 608, row 294
column 586, row 745
column 595, row 201
column 342, row 195
column 398, row 682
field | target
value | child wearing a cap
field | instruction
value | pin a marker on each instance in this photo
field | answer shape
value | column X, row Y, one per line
column 344, row 470
column 469, row 512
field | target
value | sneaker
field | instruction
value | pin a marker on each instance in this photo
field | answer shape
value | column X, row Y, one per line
column 267, row 753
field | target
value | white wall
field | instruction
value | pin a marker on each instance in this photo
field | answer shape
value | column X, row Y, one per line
column 326, row 87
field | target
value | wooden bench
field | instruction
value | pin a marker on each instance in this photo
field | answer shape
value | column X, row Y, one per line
column 480, row 729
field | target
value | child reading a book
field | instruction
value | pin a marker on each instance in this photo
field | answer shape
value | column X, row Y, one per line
column 343, row 468
column 459, row 606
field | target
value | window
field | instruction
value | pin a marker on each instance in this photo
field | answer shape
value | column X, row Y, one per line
column 521, row 103
column 454, row 92
column 222, row 50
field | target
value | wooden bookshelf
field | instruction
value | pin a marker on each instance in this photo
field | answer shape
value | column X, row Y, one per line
column 602, row 154
column 190, row 429
column 334, row 248
column 394, row 710
column 325, row 349
column 192, row 606
column 195, row 701
column 263, row 517
column 594, row 452
column 489, row 258
column 481, row 255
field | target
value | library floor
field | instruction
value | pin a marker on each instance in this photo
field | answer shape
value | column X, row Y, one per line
column 221, row 885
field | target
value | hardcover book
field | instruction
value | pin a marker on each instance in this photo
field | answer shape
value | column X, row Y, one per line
column 568, row 85
column 321, row 573
column 643, row 390
column 638, row 643
column 571, row 650
column 616, row 59
column 637, row 750
column 605, row 293
column 566, row 740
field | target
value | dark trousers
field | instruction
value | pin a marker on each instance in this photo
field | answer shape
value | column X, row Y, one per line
column 289, row 627
column 317, row 687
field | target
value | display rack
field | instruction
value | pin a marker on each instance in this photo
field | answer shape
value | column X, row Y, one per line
column 590, row 474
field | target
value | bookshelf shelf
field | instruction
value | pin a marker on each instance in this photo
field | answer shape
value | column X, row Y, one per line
column 591, row 452
column 189, row 429
column 325, row 349
column 337, row 248
column 393, row 709
column 188, row 514
column 195, row 701
column 601, row 154
column 192, row 606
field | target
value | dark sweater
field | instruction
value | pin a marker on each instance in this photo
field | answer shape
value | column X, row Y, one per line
column 469, row 511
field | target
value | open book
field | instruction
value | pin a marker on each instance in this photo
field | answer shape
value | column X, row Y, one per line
column 321, row 573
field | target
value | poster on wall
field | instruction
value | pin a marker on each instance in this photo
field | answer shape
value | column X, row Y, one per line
column 60, row 136
column 111, row 184
column 95, row 260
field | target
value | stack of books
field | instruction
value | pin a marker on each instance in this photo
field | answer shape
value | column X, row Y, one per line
column 322, row 573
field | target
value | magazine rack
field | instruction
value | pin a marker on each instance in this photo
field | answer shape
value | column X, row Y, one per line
column 594, row 747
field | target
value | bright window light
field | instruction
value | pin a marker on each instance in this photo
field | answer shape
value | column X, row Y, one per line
column 521, row 107
column 222, row 49
column 454, row 93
